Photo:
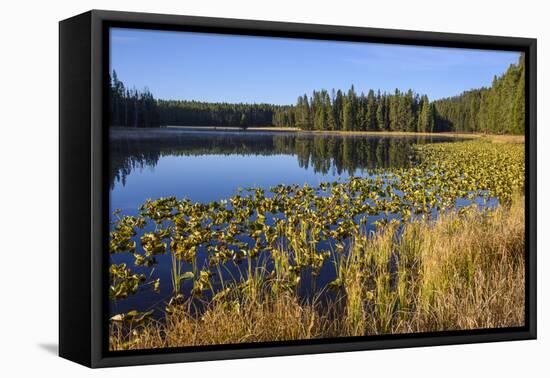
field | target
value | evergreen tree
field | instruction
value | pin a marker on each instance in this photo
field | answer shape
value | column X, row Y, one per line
column 381, row 112
column 244, row 121
column 348, row 122
column 498, row 109
column 351, row 101
column 338, row 110
column 371, row 111
column 424, row 117
column 395, row 111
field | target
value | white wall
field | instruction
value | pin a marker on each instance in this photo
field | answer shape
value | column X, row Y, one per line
column 28, row 185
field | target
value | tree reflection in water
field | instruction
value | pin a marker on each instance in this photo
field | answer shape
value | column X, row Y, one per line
column 135, row 149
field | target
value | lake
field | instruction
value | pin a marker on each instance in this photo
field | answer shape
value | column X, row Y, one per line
column 210, row 165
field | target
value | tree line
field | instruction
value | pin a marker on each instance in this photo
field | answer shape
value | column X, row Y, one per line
column 400, row 111
column 197, row 113
column 134, row 108
column 499, row 109
column 130, row 107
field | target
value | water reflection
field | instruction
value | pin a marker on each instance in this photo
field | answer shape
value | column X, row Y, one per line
column 324, row 154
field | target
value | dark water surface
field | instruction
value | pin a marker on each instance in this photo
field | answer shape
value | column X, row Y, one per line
column 207, row 165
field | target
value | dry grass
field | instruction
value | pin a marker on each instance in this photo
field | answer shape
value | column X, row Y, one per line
column 463, row 271
column 275, row 319
column 505, row 138
column 490, row 137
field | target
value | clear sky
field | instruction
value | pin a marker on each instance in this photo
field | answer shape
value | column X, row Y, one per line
column 222, row 68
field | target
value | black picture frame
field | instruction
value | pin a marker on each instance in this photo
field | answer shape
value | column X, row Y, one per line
column 83, row 195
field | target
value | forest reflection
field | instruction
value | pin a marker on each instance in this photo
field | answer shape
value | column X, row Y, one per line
column 131, row 150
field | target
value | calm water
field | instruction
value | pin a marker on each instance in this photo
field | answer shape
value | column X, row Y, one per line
column 210, row 165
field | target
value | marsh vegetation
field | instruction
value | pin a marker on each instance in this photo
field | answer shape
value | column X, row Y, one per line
column 433, row 242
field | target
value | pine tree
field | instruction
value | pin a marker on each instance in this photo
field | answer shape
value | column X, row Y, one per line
column 371, row 111
column 348, row 122
column 244, row 121
column 424, row 116
column 381, row 112
column 338, row 110
column 351, row 102
column 518, row 111
column 498, row 109
column 408, row 112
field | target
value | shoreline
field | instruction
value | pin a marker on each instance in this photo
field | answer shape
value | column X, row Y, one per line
column 497, row 138
column 235, row 128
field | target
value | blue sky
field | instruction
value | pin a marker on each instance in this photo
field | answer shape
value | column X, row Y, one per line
column 221, row 68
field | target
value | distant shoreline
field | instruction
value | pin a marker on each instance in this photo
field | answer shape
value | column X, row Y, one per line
column 236, row 128
column 490, row 137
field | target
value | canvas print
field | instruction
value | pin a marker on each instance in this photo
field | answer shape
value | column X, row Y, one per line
column 266, row 190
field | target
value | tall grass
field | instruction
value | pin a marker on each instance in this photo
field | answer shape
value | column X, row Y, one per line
column 464, row 270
